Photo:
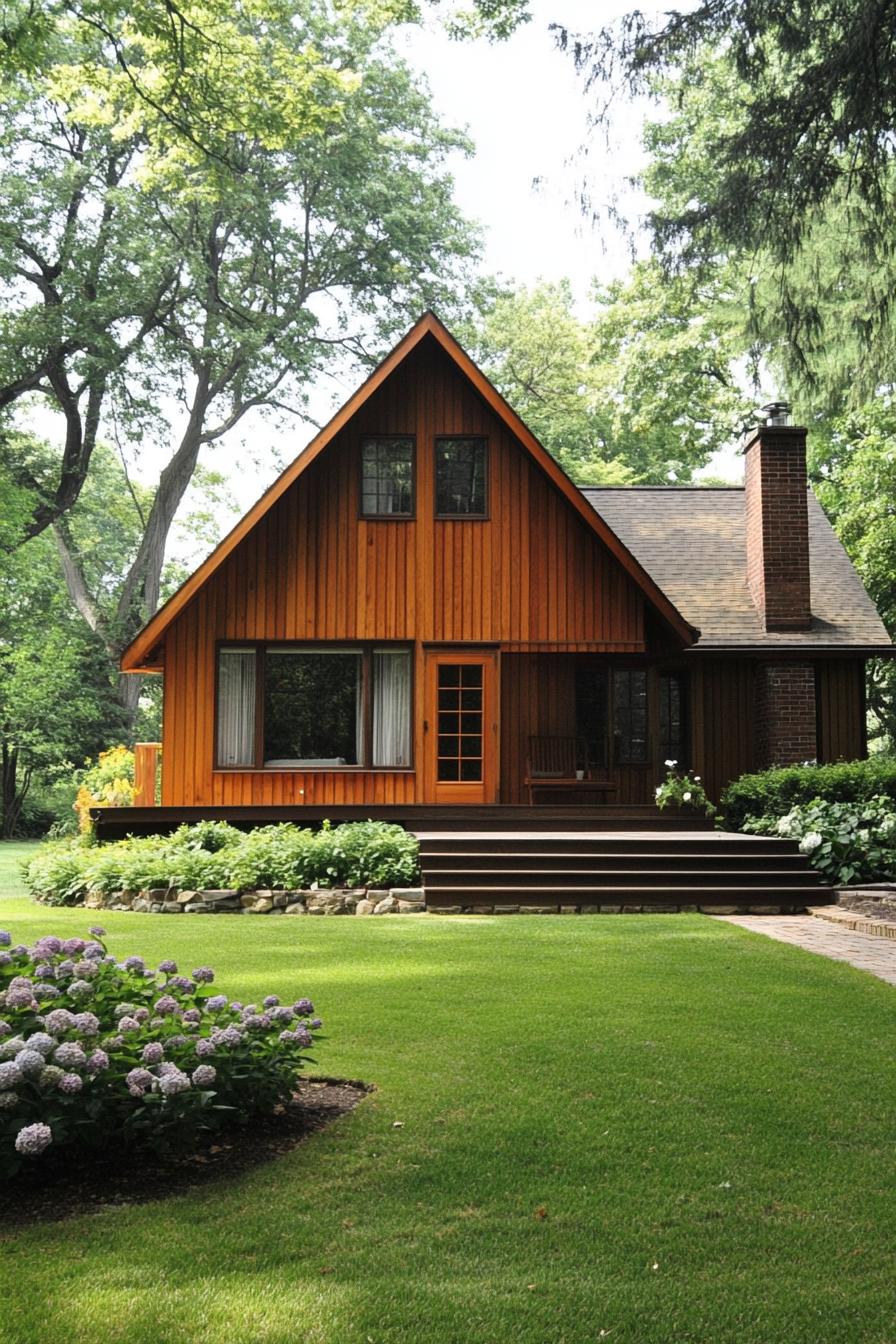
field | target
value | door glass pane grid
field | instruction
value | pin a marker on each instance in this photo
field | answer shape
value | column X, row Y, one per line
column 459, row 736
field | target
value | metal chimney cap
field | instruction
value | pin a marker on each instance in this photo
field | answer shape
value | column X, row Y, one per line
column 775, row 413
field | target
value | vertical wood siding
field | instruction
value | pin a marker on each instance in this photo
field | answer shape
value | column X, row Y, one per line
column 840, row 709
column 531, row 575
column 722, row 733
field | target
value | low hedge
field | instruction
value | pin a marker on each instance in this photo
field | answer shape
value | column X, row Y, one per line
column 773, row 793
column 96, row 1052
column 215, row 855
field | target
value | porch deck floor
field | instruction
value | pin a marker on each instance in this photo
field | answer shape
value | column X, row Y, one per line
column 625, row 833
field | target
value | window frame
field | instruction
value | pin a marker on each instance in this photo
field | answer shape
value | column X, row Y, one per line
column 366, row 648
column 482, row 517
column 387, row 517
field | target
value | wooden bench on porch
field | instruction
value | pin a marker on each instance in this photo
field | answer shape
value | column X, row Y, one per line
column 553, row 763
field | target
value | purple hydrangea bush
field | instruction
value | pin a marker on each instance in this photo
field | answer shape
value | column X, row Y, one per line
column 97, row 1051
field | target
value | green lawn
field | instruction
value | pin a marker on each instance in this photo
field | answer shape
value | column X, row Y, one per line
column 627, row 1128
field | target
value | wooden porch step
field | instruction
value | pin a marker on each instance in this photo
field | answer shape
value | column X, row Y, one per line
column 436, row 878
column 621, row 861
column 802, row 896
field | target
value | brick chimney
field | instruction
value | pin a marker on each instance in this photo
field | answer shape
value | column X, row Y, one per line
column 777, row 521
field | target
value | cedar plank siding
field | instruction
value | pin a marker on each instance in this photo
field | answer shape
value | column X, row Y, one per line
column 722, row 721
column 531, row 577
column 840, row 709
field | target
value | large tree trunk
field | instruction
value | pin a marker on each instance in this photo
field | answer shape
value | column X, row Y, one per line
column 13, row 792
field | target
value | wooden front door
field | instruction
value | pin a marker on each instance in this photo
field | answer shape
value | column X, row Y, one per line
column 461, row 727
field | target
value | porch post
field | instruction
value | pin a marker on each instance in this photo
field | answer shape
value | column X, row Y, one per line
column 146, row 764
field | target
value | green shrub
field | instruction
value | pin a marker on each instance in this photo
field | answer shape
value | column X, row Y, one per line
column 215, row 855
column 772, row 793
column 95, row 1051
column 847, row 842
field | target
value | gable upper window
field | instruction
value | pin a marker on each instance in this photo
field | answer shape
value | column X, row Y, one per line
column 387, row 476
column 461, row 465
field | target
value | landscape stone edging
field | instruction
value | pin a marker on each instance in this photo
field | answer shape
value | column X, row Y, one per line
column 264, row 901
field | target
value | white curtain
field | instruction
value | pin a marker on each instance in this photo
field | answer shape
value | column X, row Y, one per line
column 236, row 707
column 391, row 707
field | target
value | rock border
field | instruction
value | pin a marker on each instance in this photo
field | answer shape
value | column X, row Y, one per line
column 264, row 901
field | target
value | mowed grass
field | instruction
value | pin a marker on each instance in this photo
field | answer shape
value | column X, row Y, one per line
column 626, row 1128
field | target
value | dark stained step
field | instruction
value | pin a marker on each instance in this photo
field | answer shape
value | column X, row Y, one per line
column 465, row 896
column 460, row 860
column 645, row 875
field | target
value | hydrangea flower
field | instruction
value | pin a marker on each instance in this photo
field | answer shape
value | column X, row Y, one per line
column 304, row 1007
column 216, row 1003
column 33, row 1139
column 9, row 1101
column 204, row 1075
column 281, row 1015
column 94, row 952
column 48, row 946
column 98, row 1061
column 70, row 1083
column 80, row 989
column 811, row 840
column 141, row 1015
column 30, row 1061
column 42, row 1042
column 168, row 967
column 5, row 938
column 5, row 1028
column 128, row 1024
column 172, row 1083
column 133, row 963
column 9, row 1049
column 97, row 931
column 59, row 1020
column 65, row 968
column 139, row 1081
column 316, row 1024
column 254, row 1020
column 124, row 1009
column 192, row 1015
column 203, row 975
column 70, row 1055
column 203, row 1047
column 153, row 1053
column 46, row 991
column 181, row 983
column 87, row 1023
column 271, row 1001
column 73, row 947
column 166, row 1004
column 86, row 969
column 43, row 971
column 303, row 1037
column 175, row 1040
column 18, row 996
column 5, row 959
column 230, row 1036
column 51, row 1076
column 10, row 1075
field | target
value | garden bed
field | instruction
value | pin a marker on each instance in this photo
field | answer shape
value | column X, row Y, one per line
column 60, row 1188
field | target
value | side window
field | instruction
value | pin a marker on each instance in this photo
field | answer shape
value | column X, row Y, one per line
column 630, row 715
column 461, row 468
column 673, row 719
column 591, row 711
column 387, row 477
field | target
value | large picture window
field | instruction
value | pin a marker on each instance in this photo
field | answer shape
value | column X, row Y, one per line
column 461, row 478
column 611, row 714
column 299, row 707
column 387, row 477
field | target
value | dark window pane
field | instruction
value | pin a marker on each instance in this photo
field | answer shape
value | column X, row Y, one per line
column 460, row 477
column 630, row 715
column 471, row 674
column 470, row 723
column 449, row 674
column 449, row 771
column 387, row 477
column 447, row 723
column 673, row 734
column 311, row 707
column 592, row 696
column 470, row 771
column 449, row 699
column 471, row 746
column 471, row 700
column 448, row 744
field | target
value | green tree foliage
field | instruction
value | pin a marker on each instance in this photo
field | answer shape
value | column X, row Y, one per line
column 642, row 390
column 202, row 205
column 854, row 475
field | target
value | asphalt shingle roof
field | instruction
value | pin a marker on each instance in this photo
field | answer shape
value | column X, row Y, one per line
column 692, row 543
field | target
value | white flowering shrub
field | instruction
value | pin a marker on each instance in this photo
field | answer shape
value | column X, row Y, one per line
column 847, row 842
column 679, row 789
column 215, row 855
column 96, row 1051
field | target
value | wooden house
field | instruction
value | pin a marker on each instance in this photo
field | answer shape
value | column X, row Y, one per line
column 425, row 610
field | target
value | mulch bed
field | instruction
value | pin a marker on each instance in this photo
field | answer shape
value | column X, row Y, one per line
column 63, row 1186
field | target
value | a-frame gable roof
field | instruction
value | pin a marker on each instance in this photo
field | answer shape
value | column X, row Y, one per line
column 135, row 656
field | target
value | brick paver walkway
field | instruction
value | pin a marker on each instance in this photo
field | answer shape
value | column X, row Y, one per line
column 863, row 950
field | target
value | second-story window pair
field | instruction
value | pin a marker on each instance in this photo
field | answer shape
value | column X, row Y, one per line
column 388, row 486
